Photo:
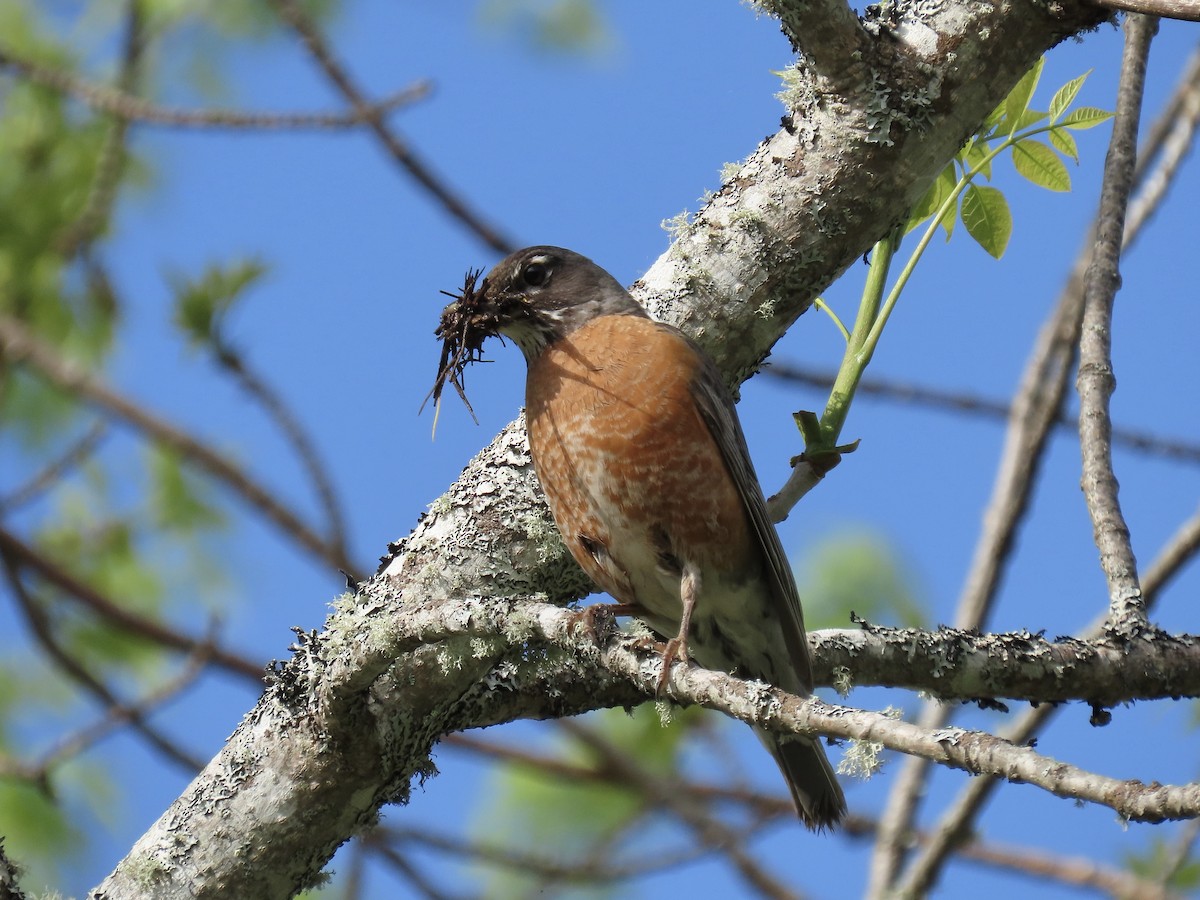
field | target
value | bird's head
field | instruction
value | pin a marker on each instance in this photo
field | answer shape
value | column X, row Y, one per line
column 534, row 297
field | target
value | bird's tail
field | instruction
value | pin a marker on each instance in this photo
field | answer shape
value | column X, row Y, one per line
column 816, row 793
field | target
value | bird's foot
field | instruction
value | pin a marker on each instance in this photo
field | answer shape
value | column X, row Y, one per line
column 676, row 649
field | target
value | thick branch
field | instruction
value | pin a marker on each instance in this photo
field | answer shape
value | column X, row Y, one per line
column 827, row 32
column 309, row 737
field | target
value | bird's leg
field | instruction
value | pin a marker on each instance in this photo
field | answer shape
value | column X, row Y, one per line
column 689, row 592
column 597, row 620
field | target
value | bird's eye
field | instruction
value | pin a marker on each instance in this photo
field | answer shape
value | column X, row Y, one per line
column 535, row 274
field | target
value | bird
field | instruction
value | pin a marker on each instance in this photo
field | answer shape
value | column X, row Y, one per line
column 637, row 446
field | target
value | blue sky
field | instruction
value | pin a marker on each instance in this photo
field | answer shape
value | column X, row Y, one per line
column 592, row 154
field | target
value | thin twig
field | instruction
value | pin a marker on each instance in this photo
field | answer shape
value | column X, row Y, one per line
column 134, row 109
column 110, row 163
column 1182, row 546
column 709, row 830
column 18, row 344
column 604, row 871
column 1180, row 854
column 405, row 868
column 1095, row 381
column 54, row 471
column 39, row 624
column 1173, row 134
column 28, row 557
column 275, row 407
column 291, row 13
column 985, row 407
column 75, row 744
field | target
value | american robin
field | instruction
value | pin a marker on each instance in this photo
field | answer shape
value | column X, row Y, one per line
column 639, row 451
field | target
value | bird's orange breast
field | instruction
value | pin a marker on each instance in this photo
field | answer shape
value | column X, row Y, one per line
column 626, row 460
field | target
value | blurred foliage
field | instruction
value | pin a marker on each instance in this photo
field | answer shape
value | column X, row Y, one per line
column 1162, row 856
column 562, row 26
column 201, row 303
column 129, row 519
column 858, row 571
column 531, row 814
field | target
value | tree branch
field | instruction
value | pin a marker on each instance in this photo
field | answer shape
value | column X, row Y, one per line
column 19, row 345
column 27, row 557
column 292, row 13
column 130, row 108
column 1185, row 10
column 1096, row 381
column 978, row 405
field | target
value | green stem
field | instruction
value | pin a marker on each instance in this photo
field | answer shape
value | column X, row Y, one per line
column 857, row 353
column 874, row 311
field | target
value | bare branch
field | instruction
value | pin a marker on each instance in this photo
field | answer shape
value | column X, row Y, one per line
column 1182, row 547
column 291, row 13
column 20, row 345
column 110, row 164
column 987, row 407
column 25, row 556
column 78, row 451
column 39, row 624
column 1171, row 140
column 1095, row 381
column 1186, row 10
column 708, row 829
column 275, row 407
column 73, row 745
column 757, row 704
column 134, row 109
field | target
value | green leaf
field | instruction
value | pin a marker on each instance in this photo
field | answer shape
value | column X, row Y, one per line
column 1028, row 119
column 987, row 218
column 178, row 498
column 1041, row 165
column 1064, row 143
column 202, row 303
column 975, row 155
column 936, row 194
column 1065, row 95
column 1085, row 117
column 1018, row 98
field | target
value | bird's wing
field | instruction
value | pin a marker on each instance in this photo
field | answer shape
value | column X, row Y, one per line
column 717, row 410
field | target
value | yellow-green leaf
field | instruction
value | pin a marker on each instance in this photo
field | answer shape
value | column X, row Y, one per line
column 1085, row 117
column 933, row 198
column 987, row 218
column 975, row 156
column 1018, row 98
column 1041, row 165
column 1065, row 95
column 1064, row 143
